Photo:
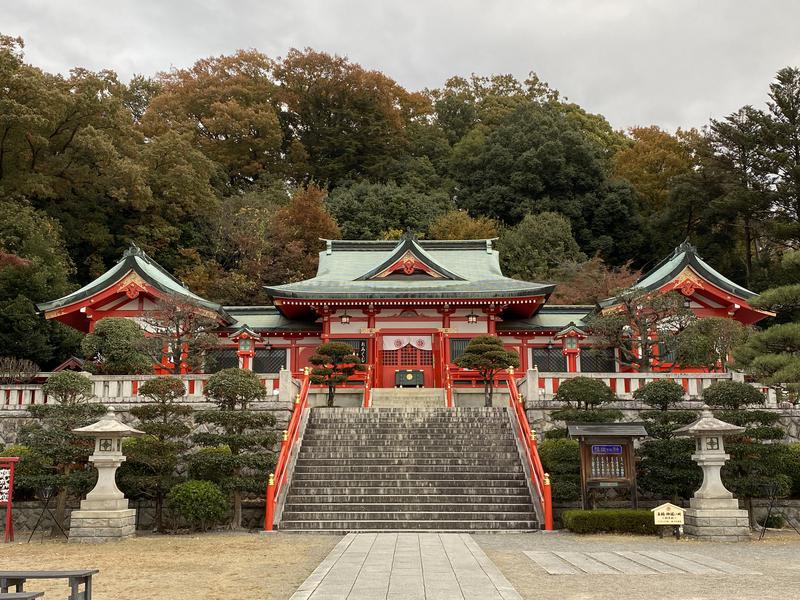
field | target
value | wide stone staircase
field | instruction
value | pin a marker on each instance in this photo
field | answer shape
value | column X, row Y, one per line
column 408, row 398
column 368, row 469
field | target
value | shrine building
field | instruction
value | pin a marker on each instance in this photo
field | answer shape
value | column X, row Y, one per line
column 405, row 305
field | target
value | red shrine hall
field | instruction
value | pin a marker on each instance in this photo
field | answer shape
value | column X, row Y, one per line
column 405, row 305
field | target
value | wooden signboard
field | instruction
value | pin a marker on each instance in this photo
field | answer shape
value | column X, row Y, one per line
column 668, row 514
column 607, row 458
column 7, row 464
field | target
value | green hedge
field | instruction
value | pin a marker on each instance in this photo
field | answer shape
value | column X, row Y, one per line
column 610, row 520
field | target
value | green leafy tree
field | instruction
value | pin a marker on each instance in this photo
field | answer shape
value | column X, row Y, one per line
column 663, row 395
column 630, row 322
column 458, row 225
column 365, row 210
column 152, row 459
column 117, row 346
column 486, row 355
column 334, row 363
column 732, row 395
column 50, row 436
column 201, row 503
column 583, row 396
column 708, row 343
column 247, row 433
column 538, row 246
column 666, row 469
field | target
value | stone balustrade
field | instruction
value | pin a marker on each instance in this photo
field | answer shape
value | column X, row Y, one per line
column 124, row 389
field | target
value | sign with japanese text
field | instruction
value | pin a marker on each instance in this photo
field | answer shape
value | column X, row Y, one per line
column 607, row 449
column 668, row 514
column 7, row 491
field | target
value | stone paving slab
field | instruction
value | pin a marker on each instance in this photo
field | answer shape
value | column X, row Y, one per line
column 644, row 562
column 406, row 566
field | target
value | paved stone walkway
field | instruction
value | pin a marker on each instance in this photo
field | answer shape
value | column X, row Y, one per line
column 652, row 562
column 406, row 566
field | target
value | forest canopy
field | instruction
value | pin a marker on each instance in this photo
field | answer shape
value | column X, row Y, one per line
column 228, row 172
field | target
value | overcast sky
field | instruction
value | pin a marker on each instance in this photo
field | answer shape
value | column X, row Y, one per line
column 638, row 62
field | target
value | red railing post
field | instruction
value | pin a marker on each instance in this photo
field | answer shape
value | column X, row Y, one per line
column 270, row 516
column 548, row 503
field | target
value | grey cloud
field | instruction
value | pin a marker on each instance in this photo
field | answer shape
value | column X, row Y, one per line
column 672, row 63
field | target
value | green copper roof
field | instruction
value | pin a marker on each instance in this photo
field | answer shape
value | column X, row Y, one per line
column 135, row 259
column 470, row 269
column 684, row 256
column 267, row 319
column 555, row 318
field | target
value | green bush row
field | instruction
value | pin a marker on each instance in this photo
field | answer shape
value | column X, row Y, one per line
column 610, row 520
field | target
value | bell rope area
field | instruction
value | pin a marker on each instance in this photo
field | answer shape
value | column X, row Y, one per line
column 400, row 301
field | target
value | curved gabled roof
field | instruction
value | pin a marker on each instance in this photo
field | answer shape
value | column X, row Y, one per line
column 683, row 256
column 465, row 269
column 137, row 261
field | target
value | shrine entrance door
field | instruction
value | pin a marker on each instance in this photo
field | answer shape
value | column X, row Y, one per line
column 409, row 365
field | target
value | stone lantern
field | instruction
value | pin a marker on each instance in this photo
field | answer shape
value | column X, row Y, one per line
column 714, row 513
column 104, row 514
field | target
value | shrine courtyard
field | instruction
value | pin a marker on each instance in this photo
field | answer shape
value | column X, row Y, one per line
column 319, row 567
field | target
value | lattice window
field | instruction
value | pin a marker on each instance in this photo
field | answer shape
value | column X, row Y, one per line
column 390, row 357
column 598, row 360
column 425, row 357
column 222, row 358
column 549, row 360
column 457, row 347
column 269, row 361
column 408, row 356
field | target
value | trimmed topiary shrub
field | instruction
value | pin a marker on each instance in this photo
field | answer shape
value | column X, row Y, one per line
column 584, row 392
column 610, row 520
column 201, row 503
column 561, row 459
column 210, row 464
column 732, row 395
column 68, row 388
column 661, row 394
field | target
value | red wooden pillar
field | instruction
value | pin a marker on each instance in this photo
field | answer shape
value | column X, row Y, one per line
column 490, row 320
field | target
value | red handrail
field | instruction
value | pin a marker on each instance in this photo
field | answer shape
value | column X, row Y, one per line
column 541, row 480
column 290, row 436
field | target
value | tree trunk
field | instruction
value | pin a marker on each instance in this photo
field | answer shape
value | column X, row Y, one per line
column 331, row 394
column 487, row 393
column 61, row 512
column 158, row 517
column 236, row 522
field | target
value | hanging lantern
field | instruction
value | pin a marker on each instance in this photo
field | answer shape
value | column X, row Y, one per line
column 345, row 318
column 472, row 318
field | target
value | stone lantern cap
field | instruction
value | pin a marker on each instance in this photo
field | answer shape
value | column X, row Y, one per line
column 109, row 425
column 708, row 424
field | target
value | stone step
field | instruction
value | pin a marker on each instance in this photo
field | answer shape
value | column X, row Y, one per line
column 441, row 432
column 411, row 459
column 406, row 470
column 416, row 507
column 516, row 495
column 425, row 525
column 401, row 445
column 392, row 453
column 388, row 480
column 310, row 488
column 355, row 439
column 422, row 515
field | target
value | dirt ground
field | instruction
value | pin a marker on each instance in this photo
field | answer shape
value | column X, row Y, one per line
column 203, row 567
column 777, row 558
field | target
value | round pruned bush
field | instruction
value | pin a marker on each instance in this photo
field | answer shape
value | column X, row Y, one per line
column 584, row 392
column 732, row 395
column 200, row 503
column 662, row 394
column 68, row 388
column 772, row 521
column 211, row 463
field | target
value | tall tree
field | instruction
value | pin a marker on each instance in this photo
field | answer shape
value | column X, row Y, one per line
column 458, row 225
column 347, row 122
column 365, row 210
column 538, row 246
column 486, row 355
column 246, row 432
column 228, row 106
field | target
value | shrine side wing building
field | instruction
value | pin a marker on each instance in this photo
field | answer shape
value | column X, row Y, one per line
column 403, row 305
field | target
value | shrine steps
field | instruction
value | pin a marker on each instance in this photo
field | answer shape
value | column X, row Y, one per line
column 434, row 469
column 408, row 398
